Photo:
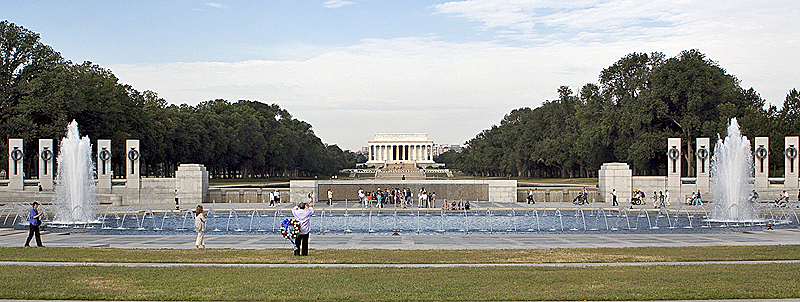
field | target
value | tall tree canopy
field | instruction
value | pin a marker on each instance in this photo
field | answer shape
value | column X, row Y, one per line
column 40, row 93
column 641, row 100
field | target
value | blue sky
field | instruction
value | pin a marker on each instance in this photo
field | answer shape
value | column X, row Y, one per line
column 446, row 68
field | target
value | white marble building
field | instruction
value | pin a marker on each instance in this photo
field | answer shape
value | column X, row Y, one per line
column 400, row 148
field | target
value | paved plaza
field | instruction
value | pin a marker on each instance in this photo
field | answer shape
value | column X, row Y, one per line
column 10, row 237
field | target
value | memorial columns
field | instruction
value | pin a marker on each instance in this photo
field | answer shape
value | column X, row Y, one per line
column 15, row 171
column 674, row 166
column 791, row 163
column 132, row 160
column 104, row 166
column 761, row 163
column 46, row 163
column 703, row 162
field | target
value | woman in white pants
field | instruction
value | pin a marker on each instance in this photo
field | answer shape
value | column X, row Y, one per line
column 200, row 227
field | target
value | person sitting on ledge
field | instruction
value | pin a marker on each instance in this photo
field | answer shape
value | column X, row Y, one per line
column 783, row 199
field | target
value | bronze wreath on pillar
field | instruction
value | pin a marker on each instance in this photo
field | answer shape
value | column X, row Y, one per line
column 46, row 155
column 761, row 154
column 104, row 156
column 674, row 154
column 133, row 155
column 702, row 155
column 791, row 154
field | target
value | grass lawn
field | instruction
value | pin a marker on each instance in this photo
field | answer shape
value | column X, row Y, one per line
column 403, row 284
column 702, row 281
column 375, row 256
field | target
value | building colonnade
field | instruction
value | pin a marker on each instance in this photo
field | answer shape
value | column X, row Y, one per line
column 388, row 152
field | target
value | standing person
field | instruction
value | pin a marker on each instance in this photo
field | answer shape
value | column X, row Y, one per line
column 530, row 196
column 277, row 197
column 614, row 198
column 311, row 197
column 661, row 199
column 330, row 197
column 271, row 199
column 361, row 195
column 700, row 200
column 432, row 201
column 585, row 195
column 655, row 200
column 303, row 214
column 200, row 227
column 33, row 224
column 177, row 205
column 666, row 197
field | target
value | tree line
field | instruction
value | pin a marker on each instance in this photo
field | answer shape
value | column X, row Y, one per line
column 41, row 92
column 640, row 101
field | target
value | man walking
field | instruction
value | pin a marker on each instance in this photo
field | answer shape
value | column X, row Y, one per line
column 33, row 224
column 613, row 197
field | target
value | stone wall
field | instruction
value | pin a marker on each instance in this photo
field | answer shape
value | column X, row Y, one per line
column 484, row 190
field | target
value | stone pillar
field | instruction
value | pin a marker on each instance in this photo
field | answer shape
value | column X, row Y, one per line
column 104, row 166
column 132, row 159
column 46, row 163
column 674, row 166
column 430, row 152
column 191, row 181
column 371, row 147
column 761, row 163
column 616, row 176
column 703, row 162
column 15, row 171
column 791, row 160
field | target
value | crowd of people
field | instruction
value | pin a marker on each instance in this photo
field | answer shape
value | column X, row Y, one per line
column 397, row 197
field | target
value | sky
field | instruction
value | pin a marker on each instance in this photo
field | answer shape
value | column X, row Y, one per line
column 446, row 68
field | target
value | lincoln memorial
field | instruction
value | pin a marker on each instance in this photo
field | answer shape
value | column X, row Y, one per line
column 400, row 148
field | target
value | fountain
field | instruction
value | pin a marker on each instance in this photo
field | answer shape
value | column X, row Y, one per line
column 731, row 170
column 75, row 191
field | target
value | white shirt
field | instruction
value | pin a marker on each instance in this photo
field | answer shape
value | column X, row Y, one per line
column 303, row 216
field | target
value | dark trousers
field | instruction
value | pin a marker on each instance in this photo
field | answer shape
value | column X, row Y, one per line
column 34, row 230
column 302, row 245
column 614, row 201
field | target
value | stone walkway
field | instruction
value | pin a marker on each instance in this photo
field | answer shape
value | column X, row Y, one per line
column 10, row 237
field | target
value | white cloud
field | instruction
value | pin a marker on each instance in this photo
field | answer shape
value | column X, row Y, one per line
column 453, row 90
column 336, row 3
column 216, row 5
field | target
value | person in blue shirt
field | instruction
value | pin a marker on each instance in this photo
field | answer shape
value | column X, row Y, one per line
column 33, row 224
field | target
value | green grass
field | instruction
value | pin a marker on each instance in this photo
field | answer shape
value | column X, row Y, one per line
column 403, row 284
column 376, row 256
column 677, row 282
